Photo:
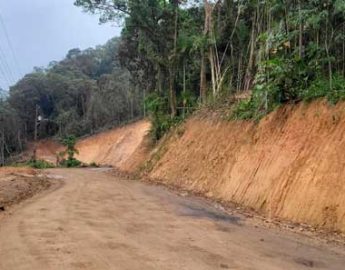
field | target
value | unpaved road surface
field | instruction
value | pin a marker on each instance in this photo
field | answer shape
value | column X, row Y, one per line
column 97, row 221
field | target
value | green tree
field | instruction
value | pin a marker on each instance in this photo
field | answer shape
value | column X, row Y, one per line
column 70, row 142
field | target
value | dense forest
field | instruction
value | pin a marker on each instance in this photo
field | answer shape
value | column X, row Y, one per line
column 85, row 92
column 186, row 51
column 180, row 55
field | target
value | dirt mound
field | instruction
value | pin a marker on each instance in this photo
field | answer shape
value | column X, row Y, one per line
column 289, row 166
column 17, row 184
column 122, row 147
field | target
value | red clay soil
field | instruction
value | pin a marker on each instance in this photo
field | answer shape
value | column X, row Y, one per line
column 117, row 147
column 289, row 166
column 17, row 184
column 123, row 147
column 48, row 150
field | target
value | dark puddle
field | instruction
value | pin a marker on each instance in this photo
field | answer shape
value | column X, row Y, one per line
column 309, row 263
column 192, row 206
column 192, row 209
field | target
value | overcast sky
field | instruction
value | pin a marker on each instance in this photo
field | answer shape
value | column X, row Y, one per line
column 41, row 31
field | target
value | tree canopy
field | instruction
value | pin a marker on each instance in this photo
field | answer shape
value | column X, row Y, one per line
column 280, row 50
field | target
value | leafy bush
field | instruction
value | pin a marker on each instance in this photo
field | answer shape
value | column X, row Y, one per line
column 317, row 89
column 321, row 88
column 157, row 108
column 188, row 102
column 70, row 163
column 243, row 110
column 265, row 98
column 40, row 164
column 161, row 124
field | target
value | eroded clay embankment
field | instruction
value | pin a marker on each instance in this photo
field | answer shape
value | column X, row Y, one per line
column 122, row 147
column 291, row 165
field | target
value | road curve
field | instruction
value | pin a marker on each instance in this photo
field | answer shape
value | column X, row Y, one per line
column 97, row 221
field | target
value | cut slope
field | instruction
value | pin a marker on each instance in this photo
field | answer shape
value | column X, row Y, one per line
column 291, row 165
column 123, row 147
column 118, row 147
column 48, row 150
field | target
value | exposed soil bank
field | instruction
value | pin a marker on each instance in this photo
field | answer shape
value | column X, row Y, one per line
column 17, row 184
column 119, row 147
column 123, row 147
column 289, row 166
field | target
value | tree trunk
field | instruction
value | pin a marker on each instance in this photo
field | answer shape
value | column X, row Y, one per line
column 343, row 45
column 172, row 93
column 203, row 65
column 203, row 82
column 36, row 123
column 172, row 68
column 159, row 79
column 251, row 62
column 19, row 137
column 239, row 73
column 184, row 90
column 2, row 147
column 213, row 71
column 330, row 73
column 300, row 36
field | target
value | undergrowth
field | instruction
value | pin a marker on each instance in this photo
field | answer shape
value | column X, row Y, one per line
column 40, row 164
column 321, row 88
column 266, row 98
column 161, row 121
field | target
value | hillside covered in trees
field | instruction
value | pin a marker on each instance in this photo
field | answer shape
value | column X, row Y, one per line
column 179, row 55
column 86, row 91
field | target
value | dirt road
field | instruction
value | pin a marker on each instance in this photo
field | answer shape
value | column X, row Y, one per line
column 95, row 221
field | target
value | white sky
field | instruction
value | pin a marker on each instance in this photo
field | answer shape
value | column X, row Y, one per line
column 41, row 31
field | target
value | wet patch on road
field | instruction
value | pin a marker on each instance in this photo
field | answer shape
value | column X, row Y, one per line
column 206, row 212
column 191, row 206
column 309, row 263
